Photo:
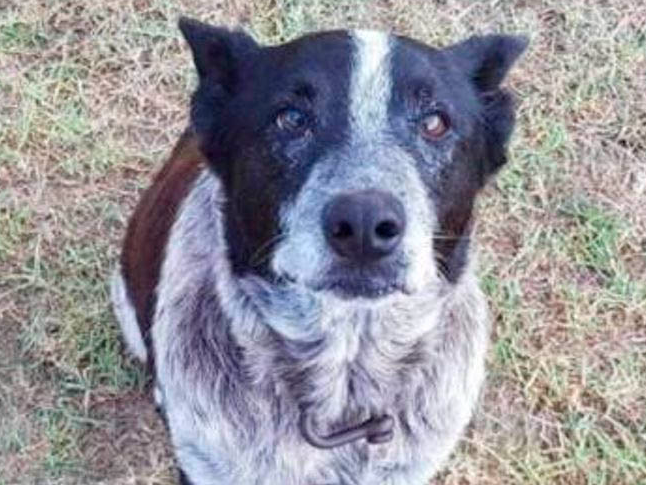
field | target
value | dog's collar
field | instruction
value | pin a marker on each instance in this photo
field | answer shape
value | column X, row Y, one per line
column 376, row 430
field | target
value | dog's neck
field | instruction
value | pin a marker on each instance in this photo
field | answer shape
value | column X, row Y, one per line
column 344, row 361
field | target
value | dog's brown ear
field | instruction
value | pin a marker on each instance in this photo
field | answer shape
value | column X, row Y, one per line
column 216, row 50
column 488, row 58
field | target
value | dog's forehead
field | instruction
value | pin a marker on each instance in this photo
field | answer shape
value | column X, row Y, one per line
column 358, row 73
column 417, row 63
column 322, row 49
column 322, row 53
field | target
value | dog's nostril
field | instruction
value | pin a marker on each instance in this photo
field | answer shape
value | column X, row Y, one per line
column 387, row 229
column 364, row 226
column 342, row 230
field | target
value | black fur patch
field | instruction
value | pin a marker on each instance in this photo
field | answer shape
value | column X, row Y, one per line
column 463, row 83
column 234, row 110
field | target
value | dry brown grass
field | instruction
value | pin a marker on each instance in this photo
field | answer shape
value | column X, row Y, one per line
column 93, row 95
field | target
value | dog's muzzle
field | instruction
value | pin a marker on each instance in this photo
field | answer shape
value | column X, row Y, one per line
column 364, row 230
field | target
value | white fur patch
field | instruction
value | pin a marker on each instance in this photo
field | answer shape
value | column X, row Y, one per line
column 125, row 313
column 371, row 84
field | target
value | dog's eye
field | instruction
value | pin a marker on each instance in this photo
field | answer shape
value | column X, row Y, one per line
column 291, row 119
column 434, row 126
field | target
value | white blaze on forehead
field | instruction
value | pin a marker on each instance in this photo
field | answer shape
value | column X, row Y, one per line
column 371, row 84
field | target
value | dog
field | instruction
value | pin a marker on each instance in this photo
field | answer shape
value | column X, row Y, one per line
column 299, row 276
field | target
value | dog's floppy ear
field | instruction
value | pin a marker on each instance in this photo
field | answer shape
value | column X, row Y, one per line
column 488, row 58
column 216, row 50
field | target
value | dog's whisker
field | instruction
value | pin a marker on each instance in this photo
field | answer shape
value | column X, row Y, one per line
column 263, row 252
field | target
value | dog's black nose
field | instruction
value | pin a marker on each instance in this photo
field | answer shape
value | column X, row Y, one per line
column 364, row 226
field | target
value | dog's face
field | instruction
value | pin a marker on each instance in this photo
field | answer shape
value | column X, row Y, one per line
column 350, row 160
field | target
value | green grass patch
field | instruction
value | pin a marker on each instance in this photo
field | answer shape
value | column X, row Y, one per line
column 593, row 243
column 16, row 36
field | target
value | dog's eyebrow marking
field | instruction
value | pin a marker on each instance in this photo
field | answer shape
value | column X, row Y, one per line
column 371, row 82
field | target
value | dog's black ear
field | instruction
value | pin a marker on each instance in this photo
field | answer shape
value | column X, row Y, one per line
column 216, row 50
column 486, row 61
column 488, row 58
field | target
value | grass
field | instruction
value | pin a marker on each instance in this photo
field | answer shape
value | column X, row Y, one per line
column 92, row 97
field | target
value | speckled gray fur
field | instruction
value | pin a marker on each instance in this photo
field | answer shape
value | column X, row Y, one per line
column 233, row 384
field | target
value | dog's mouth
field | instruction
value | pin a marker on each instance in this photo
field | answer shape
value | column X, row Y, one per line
column 369, row 283
column 351, row 288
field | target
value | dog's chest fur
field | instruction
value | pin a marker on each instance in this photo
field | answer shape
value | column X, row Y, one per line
column 232, row 394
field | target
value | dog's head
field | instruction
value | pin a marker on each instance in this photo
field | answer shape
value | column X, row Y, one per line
column 350, row 160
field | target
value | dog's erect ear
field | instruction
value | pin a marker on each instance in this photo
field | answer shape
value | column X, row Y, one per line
column 488, row 58
column 216, row 50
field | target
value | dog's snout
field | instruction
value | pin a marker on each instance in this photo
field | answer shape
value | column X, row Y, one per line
column 364, row 226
